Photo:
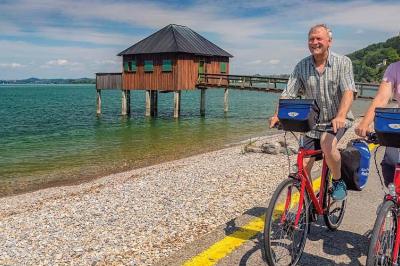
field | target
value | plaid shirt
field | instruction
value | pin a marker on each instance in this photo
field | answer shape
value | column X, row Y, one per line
column 326, row 88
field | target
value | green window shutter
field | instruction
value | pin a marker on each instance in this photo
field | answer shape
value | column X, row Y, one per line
column 133, row 66
column 148, row 65
column 126, row 66
column 222, row 67
column 167, row 65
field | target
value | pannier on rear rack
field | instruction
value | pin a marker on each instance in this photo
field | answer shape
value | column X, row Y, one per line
column 298, row 115
column 387, row 126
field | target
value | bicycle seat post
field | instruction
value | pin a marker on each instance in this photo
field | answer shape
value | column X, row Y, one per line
column 301, row 141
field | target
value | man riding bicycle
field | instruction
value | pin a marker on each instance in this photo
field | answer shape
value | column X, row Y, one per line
column 328, row 78
column 389, row 86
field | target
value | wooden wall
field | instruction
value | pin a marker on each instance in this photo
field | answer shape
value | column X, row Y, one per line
column 184, row 73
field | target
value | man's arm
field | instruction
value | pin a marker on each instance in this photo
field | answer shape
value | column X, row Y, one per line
column 345, row 103
column 347, row 85
column 381, row 99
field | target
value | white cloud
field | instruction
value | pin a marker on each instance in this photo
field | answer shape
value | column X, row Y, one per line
column 57, row 62
column 11, row 65
column 274, row 61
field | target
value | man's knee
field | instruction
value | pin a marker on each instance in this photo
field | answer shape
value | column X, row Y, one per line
column 329, row 145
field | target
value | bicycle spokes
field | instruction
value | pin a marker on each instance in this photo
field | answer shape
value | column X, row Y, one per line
column 285, row 238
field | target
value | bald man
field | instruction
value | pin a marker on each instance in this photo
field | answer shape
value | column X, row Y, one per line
column 328, row 78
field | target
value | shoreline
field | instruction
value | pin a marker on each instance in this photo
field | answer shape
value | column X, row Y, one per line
column 139, row 216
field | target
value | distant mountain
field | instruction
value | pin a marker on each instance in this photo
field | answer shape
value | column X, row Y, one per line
column 50, row 81
column 371, row 62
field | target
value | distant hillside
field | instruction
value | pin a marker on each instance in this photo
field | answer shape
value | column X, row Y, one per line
column 49, row 81
column 371, row 62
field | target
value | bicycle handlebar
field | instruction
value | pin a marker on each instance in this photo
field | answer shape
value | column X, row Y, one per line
column 372, row 137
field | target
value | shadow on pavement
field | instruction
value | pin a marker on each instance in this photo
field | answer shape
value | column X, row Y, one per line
column 338, row 243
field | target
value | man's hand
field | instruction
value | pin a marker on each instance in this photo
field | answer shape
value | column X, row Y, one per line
column 273, row 121
column 362, row 129
column 338, row 122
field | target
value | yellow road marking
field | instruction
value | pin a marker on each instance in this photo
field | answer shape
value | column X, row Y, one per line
column 228, row 244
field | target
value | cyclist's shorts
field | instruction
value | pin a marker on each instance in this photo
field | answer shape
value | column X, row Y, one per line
column 314, row 144
column 388, row 164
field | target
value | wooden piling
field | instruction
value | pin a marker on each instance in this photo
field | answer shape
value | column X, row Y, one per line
column 226, row 100
column 151, row 103
column 154, row 103
column 203, row 101
column 98, row 102
column 147, row 103
column 177, row 103
column 126, row 102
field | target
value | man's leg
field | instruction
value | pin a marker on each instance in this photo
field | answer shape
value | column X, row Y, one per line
column 331, row 153
column 332, row 157
column 310, row 144
column 388, row 164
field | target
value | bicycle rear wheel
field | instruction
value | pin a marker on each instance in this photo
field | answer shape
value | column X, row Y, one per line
column 334, row 210
column 383, row 235
column 283, row 241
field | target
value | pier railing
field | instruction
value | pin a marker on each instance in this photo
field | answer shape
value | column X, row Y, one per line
column 267, row 83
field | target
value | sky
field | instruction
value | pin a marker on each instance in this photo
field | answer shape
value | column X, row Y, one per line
column 75, row 39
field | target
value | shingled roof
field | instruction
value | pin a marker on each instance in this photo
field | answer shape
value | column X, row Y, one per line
column 176, row 39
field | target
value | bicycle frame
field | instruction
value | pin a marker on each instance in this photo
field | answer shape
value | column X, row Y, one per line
column 305, row 183
column 396, row 199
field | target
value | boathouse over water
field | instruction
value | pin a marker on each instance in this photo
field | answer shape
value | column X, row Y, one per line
column 171, row 60
column 176, row 58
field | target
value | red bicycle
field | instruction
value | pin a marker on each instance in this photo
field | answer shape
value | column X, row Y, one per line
column 294, row 204
column 385, row 238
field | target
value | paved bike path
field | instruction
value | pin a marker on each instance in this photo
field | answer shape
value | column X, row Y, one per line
column 346, row 246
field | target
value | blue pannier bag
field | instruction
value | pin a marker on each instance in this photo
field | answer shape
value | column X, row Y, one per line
column 355, row 164
column 298, row 115
column 387, row 126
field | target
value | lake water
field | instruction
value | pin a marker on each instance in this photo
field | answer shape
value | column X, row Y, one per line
column 50, row 134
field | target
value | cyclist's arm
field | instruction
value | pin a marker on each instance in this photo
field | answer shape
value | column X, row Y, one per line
column 345, row 103
column 381, row 99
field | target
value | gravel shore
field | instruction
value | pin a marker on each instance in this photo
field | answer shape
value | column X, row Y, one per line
column 140, row 216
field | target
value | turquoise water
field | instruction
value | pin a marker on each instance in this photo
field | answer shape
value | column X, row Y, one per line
column 50, row 134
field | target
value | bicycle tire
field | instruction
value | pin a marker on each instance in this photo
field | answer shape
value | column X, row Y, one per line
column 382, row 241
column 334, row 210
column 282, row 236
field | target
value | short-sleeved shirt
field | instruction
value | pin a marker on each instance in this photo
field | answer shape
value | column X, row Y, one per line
column 326, row 88
column 392, row 75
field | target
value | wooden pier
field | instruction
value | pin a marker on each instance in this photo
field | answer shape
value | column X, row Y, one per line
column 204, row 82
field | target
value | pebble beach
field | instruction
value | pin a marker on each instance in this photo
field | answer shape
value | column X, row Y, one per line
column 142, row 216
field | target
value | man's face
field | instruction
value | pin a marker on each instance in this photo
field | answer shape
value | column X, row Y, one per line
column 319, row 41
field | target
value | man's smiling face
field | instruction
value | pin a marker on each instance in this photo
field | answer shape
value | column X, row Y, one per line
column 319, row 41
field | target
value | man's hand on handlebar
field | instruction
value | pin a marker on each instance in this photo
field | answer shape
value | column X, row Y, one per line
column 362, row 130
column 273, row 121
column 338, row 123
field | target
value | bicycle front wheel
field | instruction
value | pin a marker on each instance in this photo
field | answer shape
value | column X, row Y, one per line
column 283, row 240
column 383, row 235
column 334, row 210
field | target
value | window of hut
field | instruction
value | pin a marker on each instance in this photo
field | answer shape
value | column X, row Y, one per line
column 126, row 66
column 132, row 66
column 148, row 66
column 222, row 66
column 167, row 65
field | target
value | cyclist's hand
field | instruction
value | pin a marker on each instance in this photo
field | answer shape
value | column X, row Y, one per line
column 362, row 129
column 273, row 121
column 338, row 123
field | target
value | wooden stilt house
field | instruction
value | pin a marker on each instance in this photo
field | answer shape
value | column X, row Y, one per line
column 171, row 59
